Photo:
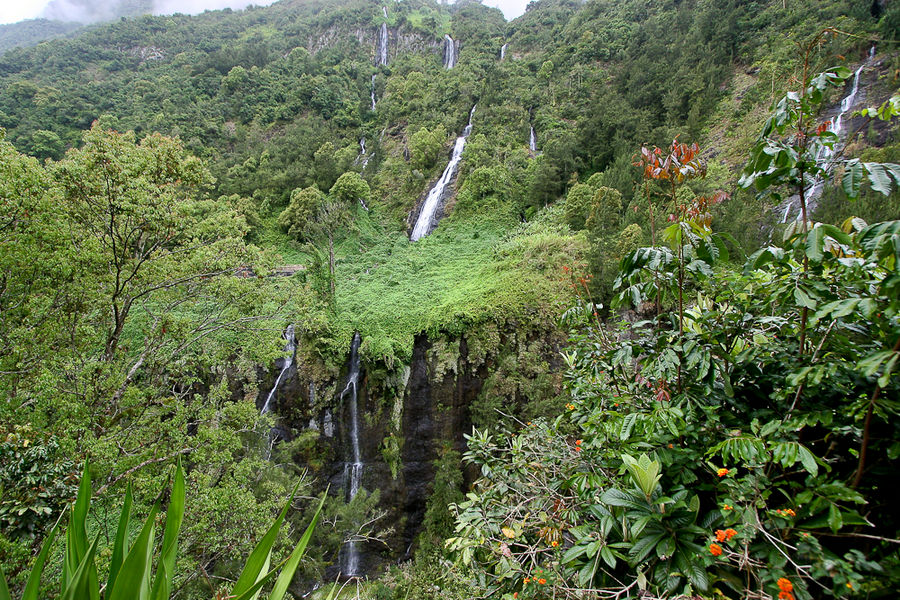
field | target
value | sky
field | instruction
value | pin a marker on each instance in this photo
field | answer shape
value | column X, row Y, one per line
column 17, row 10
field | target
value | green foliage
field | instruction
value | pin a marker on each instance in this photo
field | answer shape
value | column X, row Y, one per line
column 36, row 480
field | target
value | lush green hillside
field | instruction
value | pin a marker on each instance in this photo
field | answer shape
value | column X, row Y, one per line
column 158, row 173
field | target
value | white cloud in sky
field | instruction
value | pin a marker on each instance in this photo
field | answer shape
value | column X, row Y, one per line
column 511, row 8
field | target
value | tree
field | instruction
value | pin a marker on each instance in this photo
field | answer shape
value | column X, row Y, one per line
column 300, row 210
column 138, row 224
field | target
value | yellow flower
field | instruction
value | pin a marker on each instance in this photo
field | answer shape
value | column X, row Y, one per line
column 722, row 472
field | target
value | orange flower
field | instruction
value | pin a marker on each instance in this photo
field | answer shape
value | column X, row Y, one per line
column 730, row 533
column 785, row 596
column 527, row 581
column 554, row 543
column 577, row 442
column 671, row 445
column 722, row 472
column 515, row 594
column 542, row 581
column 728, row 507
column 720, row 535
column 715, row 549
column 785, row 585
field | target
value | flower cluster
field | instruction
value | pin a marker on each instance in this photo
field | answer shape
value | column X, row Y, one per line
column 570, row 406
column 786, row 588
column 723, row 472
column 725, row 535
column 577, row 445
column 786, row 512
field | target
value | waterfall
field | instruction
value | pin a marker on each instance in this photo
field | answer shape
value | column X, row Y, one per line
column 362, row 160
column 372, row 93
column 872, row 51
column 384, row 11
column 532, row 141
column 381, row 50
column 352, row 470
column 436, row 194
column 449, row 52
column 289, row 349
column 837, row 127
column 503, row 51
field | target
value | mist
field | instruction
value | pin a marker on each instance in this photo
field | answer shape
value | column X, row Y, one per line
column 93, row 11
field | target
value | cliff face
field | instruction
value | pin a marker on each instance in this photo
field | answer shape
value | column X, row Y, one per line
column 410, row 415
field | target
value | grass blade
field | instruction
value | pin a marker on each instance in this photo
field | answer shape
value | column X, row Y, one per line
column 290, row 567
column 4, row 589
column 121, row 544
column 163, row 582
column 133, row 579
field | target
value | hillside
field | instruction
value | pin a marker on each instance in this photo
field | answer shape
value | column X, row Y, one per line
column 212, row 255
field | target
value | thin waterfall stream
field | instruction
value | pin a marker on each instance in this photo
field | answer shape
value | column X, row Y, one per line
column 289, row 350
column 450, row 52
column 836, row 126
column 349, row 555
column 425, row 222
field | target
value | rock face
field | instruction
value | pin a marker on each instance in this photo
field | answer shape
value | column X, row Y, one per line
column 408, row 416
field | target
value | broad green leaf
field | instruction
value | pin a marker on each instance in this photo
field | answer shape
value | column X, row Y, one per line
column 852, row 179
column 815, row 243
column 162, row 583
column 879, row 178
column 835, row 521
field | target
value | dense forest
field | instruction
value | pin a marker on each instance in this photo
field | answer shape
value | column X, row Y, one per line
column 399, row 300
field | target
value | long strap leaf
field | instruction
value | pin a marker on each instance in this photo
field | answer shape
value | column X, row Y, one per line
column 290, row 567
column 4, row 589
column 258, row 562
column 83, row 583
column 120, row 548
column 32, row 586
column 162, row 584
column 133, row 579
column 76, row 534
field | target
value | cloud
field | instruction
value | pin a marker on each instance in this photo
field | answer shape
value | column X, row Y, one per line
column 193, row 7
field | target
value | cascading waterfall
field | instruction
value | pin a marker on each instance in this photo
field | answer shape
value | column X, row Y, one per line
column 372, row 93
column 384, row 11
column 449, row 52
column 532, row 141
column 352, row 470
column 436, row 194
column 381, row 57
column 503, row 51
column 837, row 127
column 363, row 160
column 289, row 350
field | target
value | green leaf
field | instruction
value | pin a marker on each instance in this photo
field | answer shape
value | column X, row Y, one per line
column 4, row 589
column 808, row 460
column 162, row 584
column 258, row 562
column 852, row 179
column 133, row 580
column 33, row 585
column 287, row 573
column 835, row 521
column 879, row 178
column 82, row 584
column 76, row 533
column 120, row 547
column 815, row 243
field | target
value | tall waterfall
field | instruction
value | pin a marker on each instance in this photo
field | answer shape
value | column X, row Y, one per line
column 424, row 224
column 384, row 11
column 352, row 470
column 289, row 350
column 449, row 52
column 532, row 141
column 381, row 49
column 837, row 127
column 372, row 93
column 503, row 51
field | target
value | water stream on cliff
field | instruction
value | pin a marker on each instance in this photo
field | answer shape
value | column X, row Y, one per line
column 382, row 55
column 349, row 558
column 503, row 51
column 289, row 350
column 836, row 126
column 449, row 52
column 424, row 223
column 372, row 93
column 532, row 141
